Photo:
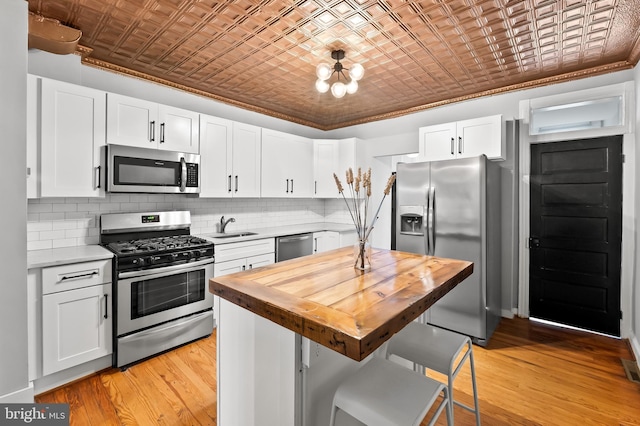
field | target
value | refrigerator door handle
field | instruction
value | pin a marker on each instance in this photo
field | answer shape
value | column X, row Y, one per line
column 425, row 223
column 432, row 219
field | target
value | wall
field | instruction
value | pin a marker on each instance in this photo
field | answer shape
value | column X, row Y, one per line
column 14, row 385
column 635, row 338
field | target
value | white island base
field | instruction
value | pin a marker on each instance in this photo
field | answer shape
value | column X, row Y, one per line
column 269, row 375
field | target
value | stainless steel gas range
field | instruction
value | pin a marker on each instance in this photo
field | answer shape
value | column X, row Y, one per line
column 161, row 276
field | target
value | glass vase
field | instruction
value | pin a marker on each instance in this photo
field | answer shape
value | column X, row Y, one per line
column 362, row 255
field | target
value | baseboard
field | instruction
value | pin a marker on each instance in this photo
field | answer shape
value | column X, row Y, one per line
column 635, row 347
column 506, row 313
column 22, row 396
column 61, row 378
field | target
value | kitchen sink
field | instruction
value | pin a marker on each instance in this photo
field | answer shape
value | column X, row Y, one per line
column 233, row 235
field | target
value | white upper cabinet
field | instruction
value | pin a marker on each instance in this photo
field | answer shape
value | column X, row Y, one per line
column 33, row 123
column 245, row 161
column 462, row 139
column 136, row 122
column 332, row 156
column 229, row 158
column 326, row 155
column 216, row 156
column 72, row 137
column 287, row 165
column 179, row 129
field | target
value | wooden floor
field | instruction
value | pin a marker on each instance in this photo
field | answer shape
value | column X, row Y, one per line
column 530, row 374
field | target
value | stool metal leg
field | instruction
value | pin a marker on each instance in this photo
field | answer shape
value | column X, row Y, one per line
column 475, row 388
column 453, row 374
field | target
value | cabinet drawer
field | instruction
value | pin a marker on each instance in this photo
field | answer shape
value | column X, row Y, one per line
column 75, row 275
column 243, row 249
column 261, row 260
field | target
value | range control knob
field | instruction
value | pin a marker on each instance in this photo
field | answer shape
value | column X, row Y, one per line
column 138, row 262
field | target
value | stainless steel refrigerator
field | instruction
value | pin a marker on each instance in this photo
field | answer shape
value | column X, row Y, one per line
column 452, row 209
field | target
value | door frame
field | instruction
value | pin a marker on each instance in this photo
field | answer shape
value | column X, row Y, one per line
column 628, row 202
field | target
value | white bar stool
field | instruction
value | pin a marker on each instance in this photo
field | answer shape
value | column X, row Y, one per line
column 436, row 349
column 383, row 393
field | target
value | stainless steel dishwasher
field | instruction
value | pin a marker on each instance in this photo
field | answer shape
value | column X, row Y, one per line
column 293, row 246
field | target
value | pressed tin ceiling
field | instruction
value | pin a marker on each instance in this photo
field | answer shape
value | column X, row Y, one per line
column 262, row 55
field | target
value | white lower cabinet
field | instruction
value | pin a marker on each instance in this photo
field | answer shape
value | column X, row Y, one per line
column 243, row 264
column 76, row 320
column 77, row 328
column 241, row 256
column 325, row 241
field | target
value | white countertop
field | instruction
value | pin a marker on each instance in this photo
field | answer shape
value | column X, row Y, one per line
column 66, row 255
column 278, row 231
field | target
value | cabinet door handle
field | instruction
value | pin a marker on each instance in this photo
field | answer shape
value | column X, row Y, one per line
column 315, row 187
column 287, row 186
column 236, row 183
column 161, row 132
column 292, row 186
column 78, row 276
column 152, row 131
column 452, row 146
column 460, row 145
column 99, row 178
column 229, row 183
column 106, row 306
column 315, row 245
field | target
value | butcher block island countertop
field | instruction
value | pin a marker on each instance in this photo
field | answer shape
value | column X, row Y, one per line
column 322, row 297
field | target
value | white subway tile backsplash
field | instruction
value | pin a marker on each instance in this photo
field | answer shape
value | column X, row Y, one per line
column 52, row 235
column 75, row 233
column 67, row 224
column 40, row 208
column 65, row 207
column 52, row 216
column 64, row 242
column 63, row 222
column 39, row 245
column 39, row 226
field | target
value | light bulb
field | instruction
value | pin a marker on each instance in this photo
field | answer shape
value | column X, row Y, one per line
column 352, row 87
column 338, row 89
column 322, row 86
column 323, row 71
column 356, row 71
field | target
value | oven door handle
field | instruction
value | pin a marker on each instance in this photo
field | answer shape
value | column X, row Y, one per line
column 165, row 270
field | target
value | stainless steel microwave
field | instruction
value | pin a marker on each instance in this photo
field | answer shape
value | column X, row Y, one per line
column 131, row 169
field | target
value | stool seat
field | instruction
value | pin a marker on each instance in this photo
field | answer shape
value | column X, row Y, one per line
column 437, row 349
column 383, row 393
column 429, row 346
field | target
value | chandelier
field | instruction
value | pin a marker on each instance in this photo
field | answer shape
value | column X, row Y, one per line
column 339, row 88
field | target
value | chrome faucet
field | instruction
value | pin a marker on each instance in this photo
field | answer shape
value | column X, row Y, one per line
column 223, row 223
